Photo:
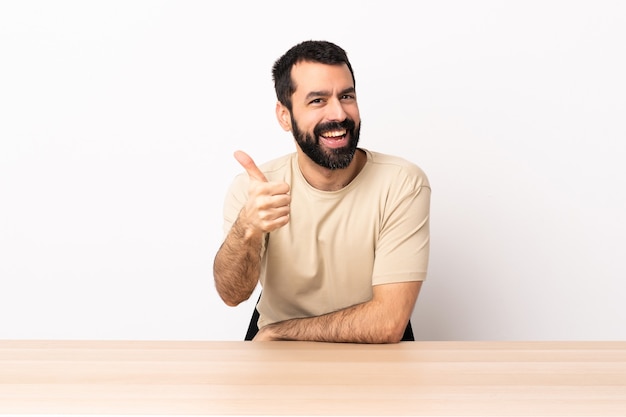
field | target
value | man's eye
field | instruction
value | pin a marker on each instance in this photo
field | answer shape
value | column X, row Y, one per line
column 347, row 97
column 316, row 101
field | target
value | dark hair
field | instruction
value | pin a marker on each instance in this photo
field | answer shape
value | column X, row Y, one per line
column 311, row 51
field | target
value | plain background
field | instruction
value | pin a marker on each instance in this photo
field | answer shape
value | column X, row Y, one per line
column 118, row 120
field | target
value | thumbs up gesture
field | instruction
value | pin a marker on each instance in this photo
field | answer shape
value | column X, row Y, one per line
column 267, row 208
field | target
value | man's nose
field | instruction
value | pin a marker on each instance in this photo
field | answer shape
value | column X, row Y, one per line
column 335, row 111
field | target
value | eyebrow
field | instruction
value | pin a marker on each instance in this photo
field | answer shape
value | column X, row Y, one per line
column 314, row 94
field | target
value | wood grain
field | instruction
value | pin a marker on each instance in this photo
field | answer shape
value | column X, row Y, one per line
column 302, row 378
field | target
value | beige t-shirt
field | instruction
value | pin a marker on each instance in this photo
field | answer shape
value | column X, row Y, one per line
column 338, row 244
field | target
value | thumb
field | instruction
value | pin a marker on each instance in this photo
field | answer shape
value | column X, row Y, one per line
column 248, row 164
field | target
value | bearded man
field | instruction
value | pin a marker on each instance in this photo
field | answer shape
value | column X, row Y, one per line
column 337, row 236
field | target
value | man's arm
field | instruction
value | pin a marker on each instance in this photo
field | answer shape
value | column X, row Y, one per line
column 237, row 264
column 383, row 319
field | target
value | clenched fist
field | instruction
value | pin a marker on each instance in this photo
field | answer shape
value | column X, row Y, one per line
column 267, row 208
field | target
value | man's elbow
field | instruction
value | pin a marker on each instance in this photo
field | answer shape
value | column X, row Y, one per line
column 393, row 332
column 231, row 300
column 229, row 297
column 394, row 337
column 231, row 303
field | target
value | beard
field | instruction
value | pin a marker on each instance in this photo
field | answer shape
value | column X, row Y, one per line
column 338, row 158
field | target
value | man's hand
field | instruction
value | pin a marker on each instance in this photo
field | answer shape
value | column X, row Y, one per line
column 267, row 208
column 265, row 334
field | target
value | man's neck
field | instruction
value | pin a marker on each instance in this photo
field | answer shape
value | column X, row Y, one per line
column 325, row 179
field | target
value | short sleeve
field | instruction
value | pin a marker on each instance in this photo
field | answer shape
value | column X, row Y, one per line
column 403, row 244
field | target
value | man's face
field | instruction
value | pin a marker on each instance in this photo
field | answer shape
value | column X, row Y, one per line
column 325, row 119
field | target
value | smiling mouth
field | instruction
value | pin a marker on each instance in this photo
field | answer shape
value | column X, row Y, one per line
column 334, row 134
column 334, row 139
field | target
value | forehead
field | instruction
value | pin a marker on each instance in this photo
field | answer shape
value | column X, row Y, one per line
column 314, row 76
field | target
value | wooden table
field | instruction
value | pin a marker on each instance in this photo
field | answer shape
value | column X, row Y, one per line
column 300, row 378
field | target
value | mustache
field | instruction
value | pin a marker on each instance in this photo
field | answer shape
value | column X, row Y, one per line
column 347, row 124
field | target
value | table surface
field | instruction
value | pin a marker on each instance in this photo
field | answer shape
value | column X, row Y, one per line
column 303, row 378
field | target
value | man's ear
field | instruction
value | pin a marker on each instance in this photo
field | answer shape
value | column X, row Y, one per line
column 283, row 116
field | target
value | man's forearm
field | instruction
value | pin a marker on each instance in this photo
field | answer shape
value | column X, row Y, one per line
column 237, row 265
column 381, row 320
column 352, row 325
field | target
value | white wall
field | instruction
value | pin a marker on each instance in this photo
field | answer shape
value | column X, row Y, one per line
column 118, row 120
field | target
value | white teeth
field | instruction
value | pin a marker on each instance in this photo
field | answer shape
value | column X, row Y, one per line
column 334, row 134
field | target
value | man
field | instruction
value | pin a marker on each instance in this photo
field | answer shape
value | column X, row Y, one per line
column 338, row 236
